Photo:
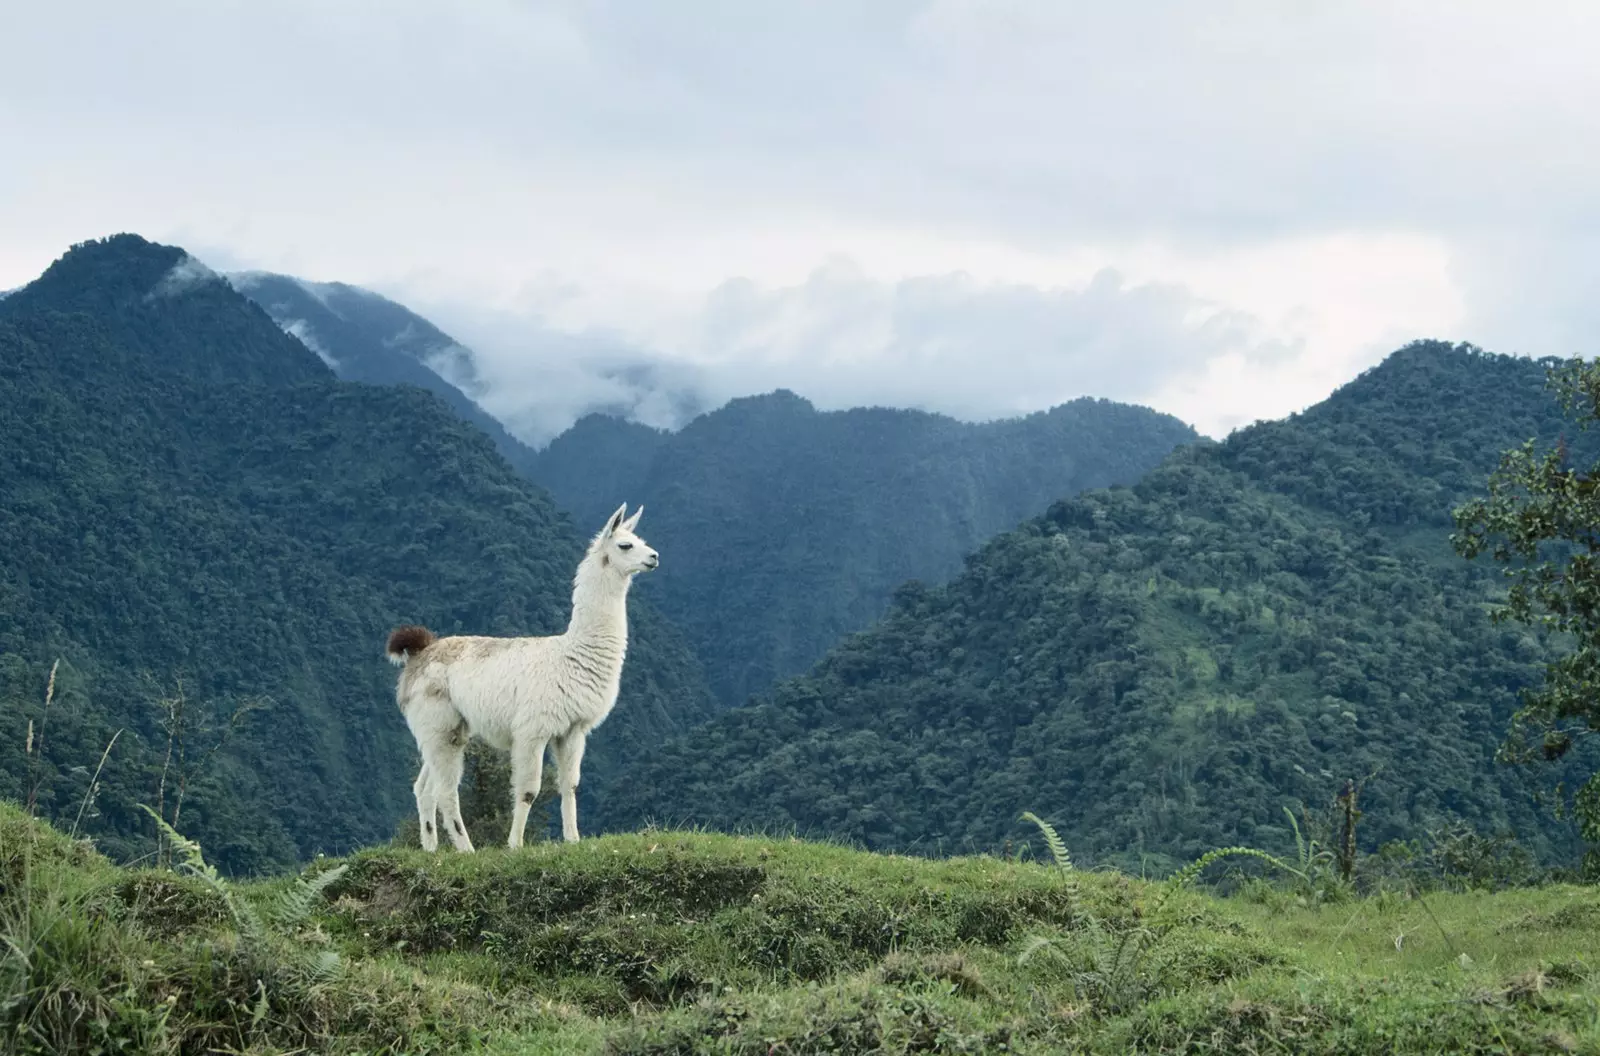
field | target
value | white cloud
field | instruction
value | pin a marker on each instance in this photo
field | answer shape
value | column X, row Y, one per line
column 1332, row 179
column 955, row 344
column 538, row 378
column 966, row 347
column 186, row 274
column 302, row 331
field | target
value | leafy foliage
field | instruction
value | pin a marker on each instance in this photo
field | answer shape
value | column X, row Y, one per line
column 1248, row 626
column 192, row 497
column 1541, row 519
column 783, row 528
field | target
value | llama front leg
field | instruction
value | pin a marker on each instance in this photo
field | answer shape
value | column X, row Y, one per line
column 527, row 774
column 569, row 764
column 427, row 808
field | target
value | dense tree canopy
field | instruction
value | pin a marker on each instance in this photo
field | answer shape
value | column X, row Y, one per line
column 783, row 528
column 1163, row 668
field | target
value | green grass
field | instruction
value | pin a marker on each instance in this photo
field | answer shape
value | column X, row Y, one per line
column 688, row 942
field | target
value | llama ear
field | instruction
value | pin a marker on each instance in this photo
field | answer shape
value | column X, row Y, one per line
column 631, row 521
column 616, row 519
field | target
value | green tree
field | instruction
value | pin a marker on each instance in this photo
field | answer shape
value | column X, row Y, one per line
column 1541, row 519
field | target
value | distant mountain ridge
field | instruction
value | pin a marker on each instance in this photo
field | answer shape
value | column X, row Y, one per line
column 364, row 336
column 784, row 528
column 1164, row 668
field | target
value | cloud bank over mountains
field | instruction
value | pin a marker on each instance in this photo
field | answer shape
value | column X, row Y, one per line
column 1225, row 209
column 842, row 338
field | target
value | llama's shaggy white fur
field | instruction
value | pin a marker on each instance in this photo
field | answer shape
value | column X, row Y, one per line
column 520, row 694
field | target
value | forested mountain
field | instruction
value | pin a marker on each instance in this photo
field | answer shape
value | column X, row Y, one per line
column 1163, row 668
column 783, row 528
column 364, row 336
column 189, row 493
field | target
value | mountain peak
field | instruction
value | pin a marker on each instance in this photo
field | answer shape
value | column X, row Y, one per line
column 1429, row 376
column 177, row 314
column 106, row 272
column 785, row 401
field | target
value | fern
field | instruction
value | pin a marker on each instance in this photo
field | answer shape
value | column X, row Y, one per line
column 287, row 910
column 1187, row 875
column 291, row 907
column 1301, row 850
column 251, row 927
column 1036, row 944
column 1058, row 846
column 1114, row 971
column 1058, row 852
column 323, row 967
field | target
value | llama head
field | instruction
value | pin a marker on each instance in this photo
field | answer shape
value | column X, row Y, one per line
column 619, row 549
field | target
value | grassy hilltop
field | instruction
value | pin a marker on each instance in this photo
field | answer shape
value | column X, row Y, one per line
column 670, row 942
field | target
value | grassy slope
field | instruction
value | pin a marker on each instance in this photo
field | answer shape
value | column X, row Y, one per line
column 675, row 942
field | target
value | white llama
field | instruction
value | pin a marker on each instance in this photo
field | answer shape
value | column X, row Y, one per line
column 521, row 693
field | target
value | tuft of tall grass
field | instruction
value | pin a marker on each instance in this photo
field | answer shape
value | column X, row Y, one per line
column 1115, row 966
column 34, row 743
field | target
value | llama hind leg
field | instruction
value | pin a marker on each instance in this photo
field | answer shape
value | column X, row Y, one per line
column 527, row 774
column 569, row 764
column 427, row 808
column 448, row 791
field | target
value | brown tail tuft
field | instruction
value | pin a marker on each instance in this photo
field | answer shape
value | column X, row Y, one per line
column 406, row 642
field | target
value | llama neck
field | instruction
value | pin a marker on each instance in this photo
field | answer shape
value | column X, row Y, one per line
column 599, row 608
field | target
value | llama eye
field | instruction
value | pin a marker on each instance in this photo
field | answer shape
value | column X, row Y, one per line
column 624, row 546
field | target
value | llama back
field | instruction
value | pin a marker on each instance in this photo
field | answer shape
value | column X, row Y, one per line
column 497, row 685
column 501, row 685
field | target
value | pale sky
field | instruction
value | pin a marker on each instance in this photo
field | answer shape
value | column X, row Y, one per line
column 1223, row 210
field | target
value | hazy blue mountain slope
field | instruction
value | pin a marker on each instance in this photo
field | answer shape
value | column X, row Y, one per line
column 365, row 337
column 783, row 528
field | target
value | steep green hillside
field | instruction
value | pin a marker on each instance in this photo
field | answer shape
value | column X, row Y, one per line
column 190, row 493
column 366, row 337
column 671, row 942
column 1166, row 666
column 786, row 528
column 600, row 455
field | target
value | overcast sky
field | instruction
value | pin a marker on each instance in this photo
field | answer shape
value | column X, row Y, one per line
column 1223, row 210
